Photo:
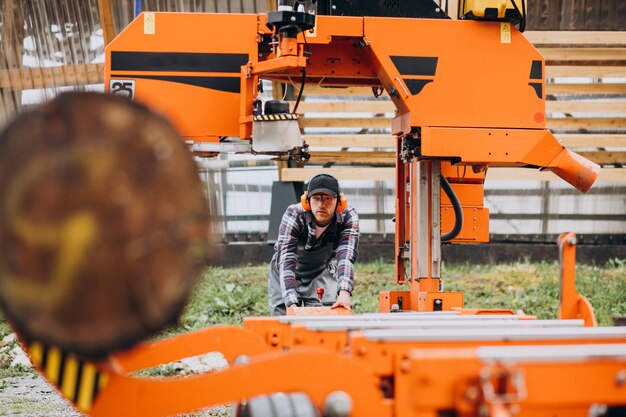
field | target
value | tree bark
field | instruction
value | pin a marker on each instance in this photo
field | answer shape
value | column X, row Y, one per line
column 104, row 223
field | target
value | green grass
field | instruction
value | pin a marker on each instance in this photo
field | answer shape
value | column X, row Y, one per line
column 29, row 407
column 5, row 329
column 534, row 288
column 227, row 295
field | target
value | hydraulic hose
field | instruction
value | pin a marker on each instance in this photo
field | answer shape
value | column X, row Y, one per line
column 295, row 108
column 458, row 211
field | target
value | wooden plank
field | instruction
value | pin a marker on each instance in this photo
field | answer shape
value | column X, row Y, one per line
column 587, row 88
column 586, row 123
column 384, row 122
column 95, row 73
column 271, row 4
column 316, row 90
column 585, row 106
column 59, row 76
column 389, row 174
column 352, row 173
column 569, row 140
column 551, row 88
column 583, row 54
column 356, row 122
column 389, row 158
column 453, row 8
column 605, row 157
column 576, row 37
column 618, row 71
column 351, row 141
column 68, row 75
column 525, row 174
column 77, row 72
column 593, row 140
column 378, row 106
column 106, row 20
column 351, row 157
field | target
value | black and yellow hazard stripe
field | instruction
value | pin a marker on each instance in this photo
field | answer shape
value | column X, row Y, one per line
column 78, row 380
column 275, row 117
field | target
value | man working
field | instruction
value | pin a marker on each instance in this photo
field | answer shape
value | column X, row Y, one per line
column 317, row 246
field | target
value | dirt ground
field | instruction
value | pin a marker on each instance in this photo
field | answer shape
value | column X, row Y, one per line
column 27, row 394
column 32, row 395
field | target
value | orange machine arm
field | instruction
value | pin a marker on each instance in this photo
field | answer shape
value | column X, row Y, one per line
column 473, row 95
column 467, row 94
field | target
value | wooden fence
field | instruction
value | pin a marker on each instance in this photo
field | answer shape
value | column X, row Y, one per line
column 586, row 87
column 576, row 14
column 47, row 46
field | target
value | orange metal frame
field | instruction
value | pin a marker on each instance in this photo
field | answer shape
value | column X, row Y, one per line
column 448, row 87
column 571, row 304
column 202, row 71
column 382, row 377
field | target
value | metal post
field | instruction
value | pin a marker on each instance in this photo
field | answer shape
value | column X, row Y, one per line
column 427, row 218
column 435, row 222
column 545, row 209
column 425, row 231
column 379, row 195
column 403, row 219
column 106, row 20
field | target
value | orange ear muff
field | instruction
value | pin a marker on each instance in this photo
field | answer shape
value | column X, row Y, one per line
column 341, row 204
column 304, row 200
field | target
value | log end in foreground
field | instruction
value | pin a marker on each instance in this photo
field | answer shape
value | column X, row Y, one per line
column 103, row 224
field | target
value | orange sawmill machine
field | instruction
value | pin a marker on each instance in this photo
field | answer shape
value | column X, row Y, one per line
column 469, row 95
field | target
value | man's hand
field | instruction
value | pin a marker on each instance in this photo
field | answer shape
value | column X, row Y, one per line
column 291, row 310
column 343, row 300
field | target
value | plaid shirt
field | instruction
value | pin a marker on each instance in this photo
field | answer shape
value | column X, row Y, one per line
column 296, row 223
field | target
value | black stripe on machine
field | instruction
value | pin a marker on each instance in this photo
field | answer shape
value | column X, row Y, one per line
column 177, row 61
column 227, row 84
column 415, row 65
column 536, row 72
column 415, row 86
column 538, row 87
